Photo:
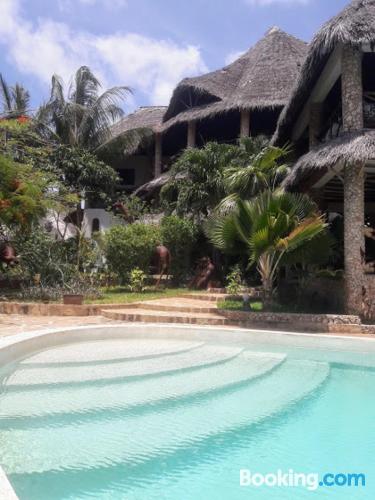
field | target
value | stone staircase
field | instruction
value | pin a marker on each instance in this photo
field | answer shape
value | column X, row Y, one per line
column 190, row 308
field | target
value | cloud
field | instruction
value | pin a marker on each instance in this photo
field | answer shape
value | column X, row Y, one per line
column 46, row 47
column 263, row 3
column 66, row 5
column 233, row 56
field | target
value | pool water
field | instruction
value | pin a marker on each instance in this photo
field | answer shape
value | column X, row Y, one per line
column 177, row 420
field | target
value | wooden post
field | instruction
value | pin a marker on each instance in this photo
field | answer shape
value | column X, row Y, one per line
column 158, row 154
column 191, row 133
column 245, row 123
column 354, row 181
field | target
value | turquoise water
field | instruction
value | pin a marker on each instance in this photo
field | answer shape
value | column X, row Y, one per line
column 177, row 420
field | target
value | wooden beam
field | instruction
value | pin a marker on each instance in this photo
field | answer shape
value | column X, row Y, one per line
column 158, row 154
column 245, row 123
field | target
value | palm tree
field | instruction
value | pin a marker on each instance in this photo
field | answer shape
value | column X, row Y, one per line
column 264, row 170
column 196, row 184
column 83, row 118
column 15, row 100
column 269, row 228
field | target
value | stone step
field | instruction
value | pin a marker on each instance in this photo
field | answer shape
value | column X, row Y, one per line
column 149, row 316
column 208, row 297
column 179, row 305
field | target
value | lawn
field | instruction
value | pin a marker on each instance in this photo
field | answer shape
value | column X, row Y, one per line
column 121, row 295
column 237, row 305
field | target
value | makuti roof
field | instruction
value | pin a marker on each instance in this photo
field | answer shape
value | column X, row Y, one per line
column 263, row 77
column 354, row 25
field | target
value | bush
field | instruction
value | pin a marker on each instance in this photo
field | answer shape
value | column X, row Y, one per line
column 128, row 247
column 234, row 281
column 179, row 236
column 137, row 280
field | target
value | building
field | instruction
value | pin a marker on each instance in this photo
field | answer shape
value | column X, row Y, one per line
column 330, row 120
column 244, row 98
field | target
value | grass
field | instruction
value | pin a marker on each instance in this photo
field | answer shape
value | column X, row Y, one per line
column 121, row 295
column 237, row 305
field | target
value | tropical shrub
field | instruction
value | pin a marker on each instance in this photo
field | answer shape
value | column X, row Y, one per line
column 131, row 246
column 270, row 229
column 137, row 280
column 234, row 281
column 179, row 236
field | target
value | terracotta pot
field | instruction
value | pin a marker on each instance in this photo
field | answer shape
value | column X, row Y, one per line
column 73, row 300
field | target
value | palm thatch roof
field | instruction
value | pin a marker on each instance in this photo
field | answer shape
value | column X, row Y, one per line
column 355, row 147
column 261, row 78
column 354, row 25
column 146, row 117
column 134, row 130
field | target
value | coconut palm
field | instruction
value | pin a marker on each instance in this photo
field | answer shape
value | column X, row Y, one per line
column 15, row 100
column 84, row 117
column 268, row 229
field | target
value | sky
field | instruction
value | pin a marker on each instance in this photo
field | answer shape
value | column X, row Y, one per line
column 148, row 45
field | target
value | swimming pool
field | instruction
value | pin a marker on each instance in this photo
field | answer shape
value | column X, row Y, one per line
column 176, row 413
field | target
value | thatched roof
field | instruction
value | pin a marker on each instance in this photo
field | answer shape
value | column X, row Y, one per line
column 152, row 186
column 134, row 130
column 147, row 117
column 261, row 78
column 355, row 147
column 354, row 25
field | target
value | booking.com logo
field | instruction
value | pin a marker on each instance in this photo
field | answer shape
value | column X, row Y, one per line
column 292, row 479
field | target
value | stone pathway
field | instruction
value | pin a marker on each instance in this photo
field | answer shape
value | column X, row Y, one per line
column 11, row 324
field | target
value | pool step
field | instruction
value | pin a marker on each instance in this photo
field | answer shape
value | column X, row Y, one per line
column 108, row 351
column 27, row 377
column 137, row 439
column 178, row 305
column 75, row 402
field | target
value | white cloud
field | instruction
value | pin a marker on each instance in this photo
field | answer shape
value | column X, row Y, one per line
column 66, row 5
column 263, row 3
column 145, row 64
column 233, row 56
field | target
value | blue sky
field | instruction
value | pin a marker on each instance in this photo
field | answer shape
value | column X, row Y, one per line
column 147, row 44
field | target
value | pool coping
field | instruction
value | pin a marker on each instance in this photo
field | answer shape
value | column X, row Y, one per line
column 331, row 342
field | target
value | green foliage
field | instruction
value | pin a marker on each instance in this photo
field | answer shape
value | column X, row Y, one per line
column 51, row 261
column 22, row 194
column 264, row 169
column 234, row 281
column 15, row 100
column 137, row 280
column 82, row 118
column 131, row 246
column 81, row 171
column 179, row 236
column 197, row 179
column 269, row 229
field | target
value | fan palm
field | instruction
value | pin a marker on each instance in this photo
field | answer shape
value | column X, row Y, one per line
column 268, row 228
column 15, row 100
column 83, row 118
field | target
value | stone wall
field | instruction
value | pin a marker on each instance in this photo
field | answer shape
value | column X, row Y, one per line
column 370, row 285
column 318, row 323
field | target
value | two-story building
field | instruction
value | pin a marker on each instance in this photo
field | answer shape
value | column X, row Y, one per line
column 330, row 120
